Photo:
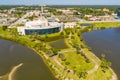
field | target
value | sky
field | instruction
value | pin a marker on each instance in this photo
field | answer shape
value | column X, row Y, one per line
column 60, row 2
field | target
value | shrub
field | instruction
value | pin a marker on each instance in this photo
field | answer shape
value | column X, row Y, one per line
column 4, row 27
column 62, row 57
column 67, row 63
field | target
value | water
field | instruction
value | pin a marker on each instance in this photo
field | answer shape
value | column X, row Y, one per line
column 59, row 44
column 33, row 68
column 106, row 41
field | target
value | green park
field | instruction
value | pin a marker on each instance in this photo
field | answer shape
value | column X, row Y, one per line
column 66, row 53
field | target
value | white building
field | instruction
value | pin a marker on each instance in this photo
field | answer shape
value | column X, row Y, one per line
column 88, row 16
column 40, row 26
column 70, row 25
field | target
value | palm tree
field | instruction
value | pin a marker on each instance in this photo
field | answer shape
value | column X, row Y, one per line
column 83, row 75
column 104, row 63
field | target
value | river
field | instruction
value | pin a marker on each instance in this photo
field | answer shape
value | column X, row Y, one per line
column 108, row 42
column 18, row 62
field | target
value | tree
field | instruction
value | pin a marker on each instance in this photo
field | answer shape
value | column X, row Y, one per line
column 4, row 27
column 53, row 52
column 34, row 36
column 62, row 56
column 83, row 75
column 103, row 56
column 62, row 33
column 104, row 63
column 86, row 18
column 37, row 46
column 14, row 32
column 75, row 13
column 59, row 13
column 32, row 17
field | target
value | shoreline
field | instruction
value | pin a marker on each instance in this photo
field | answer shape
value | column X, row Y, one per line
column 114, row 75
column 9, row 76
column 14, row 70
column 43, row 57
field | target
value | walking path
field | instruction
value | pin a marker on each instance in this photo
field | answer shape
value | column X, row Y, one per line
column 114, row 76
column 55, row 59
column 96, row 64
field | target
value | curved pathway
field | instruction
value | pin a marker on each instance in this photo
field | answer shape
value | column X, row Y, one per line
column 55, row 59
column 96, row 64
column 114, row 77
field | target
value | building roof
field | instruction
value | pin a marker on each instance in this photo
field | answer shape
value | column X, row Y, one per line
column 40, row 21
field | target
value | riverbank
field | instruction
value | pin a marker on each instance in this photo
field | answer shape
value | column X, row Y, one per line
column 101, row 26
column 96, row 73
column 11, row 74
column 26, row 41
column 107, row 42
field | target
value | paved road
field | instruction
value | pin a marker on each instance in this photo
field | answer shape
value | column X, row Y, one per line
column 98, row 21
column 19, row 20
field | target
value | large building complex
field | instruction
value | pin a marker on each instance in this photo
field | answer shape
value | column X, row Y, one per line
column 118, row 13
column 40, row 26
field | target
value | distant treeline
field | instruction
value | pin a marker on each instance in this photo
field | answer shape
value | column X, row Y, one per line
column 2, row 7
column 111, row 7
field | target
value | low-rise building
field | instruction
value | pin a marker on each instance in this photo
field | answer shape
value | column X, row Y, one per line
column 106, row 10
column 53, row 19
column 94, row 19
column 88, row 16
column 70, row 24
column 107, row 18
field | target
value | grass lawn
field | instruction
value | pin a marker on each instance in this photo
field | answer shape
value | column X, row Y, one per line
column 77, row 62
column 100, row 75
column 107, row 24
column 51, row 37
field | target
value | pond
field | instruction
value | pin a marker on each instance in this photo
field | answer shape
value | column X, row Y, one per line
column 59, row 44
